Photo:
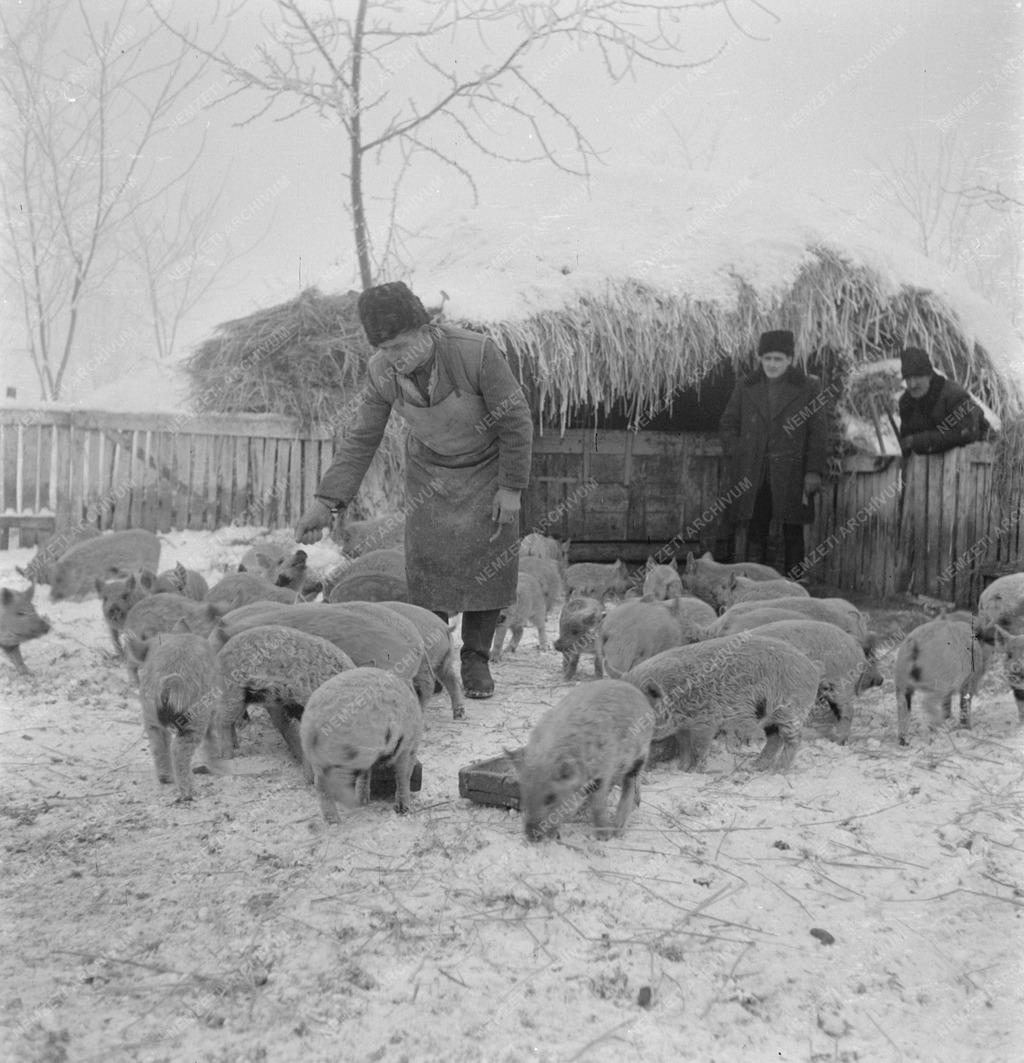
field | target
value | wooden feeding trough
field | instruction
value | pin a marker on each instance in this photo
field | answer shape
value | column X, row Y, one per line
column 494, row 781
column 382, row 777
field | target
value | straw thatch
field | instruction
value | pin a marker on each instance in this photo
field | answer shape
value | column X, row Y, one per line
column 300, row 358
column 639, row 345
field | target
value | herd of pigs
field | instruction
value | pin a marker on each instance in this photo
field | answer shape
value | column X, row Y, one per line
column 687, row 652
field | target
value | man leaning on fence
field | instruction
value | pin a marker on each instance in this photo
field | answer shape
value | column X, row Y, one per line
column 936, row 414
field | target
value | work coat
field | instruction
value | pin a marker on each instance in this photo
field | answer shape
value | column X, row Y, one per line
column 470, row 435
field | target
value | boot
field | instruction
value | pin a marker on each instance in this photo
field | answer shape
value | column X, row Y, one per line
column 477, row 636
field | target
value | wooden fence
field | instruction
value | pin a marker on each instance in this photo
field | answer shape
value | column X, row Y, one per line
column 930, row 525
column 156, row 471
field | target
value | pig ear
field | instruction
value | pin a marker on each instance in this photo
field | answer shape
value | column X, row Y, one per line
column 130, row 583
column 218, row 636
column 301, row 556
column 147, row 579
column 674, row 564
column 180, row 627
column 516, row 757
column 691, row 561
column 1002, row 635
column 732, row 582
column 20, row 571
column 215, row 610
column 707, row 556
column 100, row 585
column 651, row 689
column 6, row 596
column 30, row 593
column 241, row 567
column 138, row 649
column 647, row 597
column 650, row 563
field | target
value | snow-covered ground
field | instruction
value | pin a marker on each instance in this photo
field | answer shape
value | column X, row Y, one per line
column 867, row 905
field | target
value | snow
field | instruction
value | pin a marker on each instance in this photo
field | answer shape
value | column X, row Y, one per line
column 241, row 928
column 528, row 251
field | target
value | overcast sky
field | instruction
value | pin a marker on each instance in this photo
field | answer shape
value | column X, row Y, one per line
column 812, row 94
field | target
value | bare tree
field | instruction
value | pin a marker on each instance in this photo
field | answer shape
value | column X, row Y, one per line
column 82, row 171
column 342, row 66
column 924, row 187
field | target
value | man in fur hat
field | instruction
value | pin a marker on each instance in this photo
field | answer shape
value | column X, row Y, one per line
column 774, row 435
column 936, row 414
column 467, row 461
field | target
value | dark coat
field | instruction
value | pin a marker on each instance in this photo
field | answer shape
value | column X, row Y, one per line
column 944, row 418
column 469, row 434
column 784, row 447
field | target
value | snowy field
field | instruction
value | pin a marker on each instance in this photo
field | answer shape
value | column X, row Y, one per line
column 867, row 905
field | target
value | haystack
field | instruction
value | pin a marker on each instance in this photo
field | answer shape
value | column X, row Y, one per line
column 300, row 358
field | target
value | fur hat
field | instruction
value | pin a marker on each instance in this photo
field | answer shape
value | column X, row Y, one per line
column 388, row 309
column 915, row 362
column 780, row 340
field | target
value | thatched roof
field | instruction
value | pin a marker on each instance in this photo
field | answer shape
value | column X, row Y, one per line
column 296, row 358
column 645, row 286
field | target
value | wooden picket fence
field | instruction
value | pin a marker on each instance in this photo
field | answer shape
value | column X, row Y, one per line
column 930, row 525
column 155, row 471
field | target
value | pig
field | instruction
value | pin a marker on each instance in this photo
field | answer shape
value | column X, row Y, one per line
column 730, row 623
column 528, row 608
column 544, row 546
column 437, row 641
column 940, row 658
column 836, row 611
column 240, row 588
column 19, row 622
column 159, row 613
column 744, row 589
column 701, row 576
column 272, row 664
column 845, row 671
column 40, row 568
column 117, row 596
column 262, row 559
column 371, row 634
column 181, row 690
column 638, row 629
column 292, row 572
column 1002, row 603
column 548, row 576
column 369, row 587
column 598, row 736
column 353, row 722
column 577, row 630
column 1013, row 646
column 359, row 537
column 589, row 579
column 75, row 573
column 693, row 610
column 662, row 581
column 734, row 683
column 390, row 561
column 177, row 580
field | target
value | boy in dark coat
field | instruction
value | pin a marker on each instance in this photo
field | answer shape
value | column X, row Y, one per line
column 936, row 414
column 467, row 461
column 774, row 435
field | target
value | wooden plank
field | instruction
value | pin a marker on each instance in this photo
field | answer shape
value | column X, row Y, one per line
column 197, row 483
column 62, row 464
column 243, row 487
column 297, row 487
column 953, row 504
column 182, row 470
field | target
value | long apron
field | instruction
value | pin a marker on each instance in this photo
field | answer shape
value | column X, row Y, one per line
column 451, row 562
